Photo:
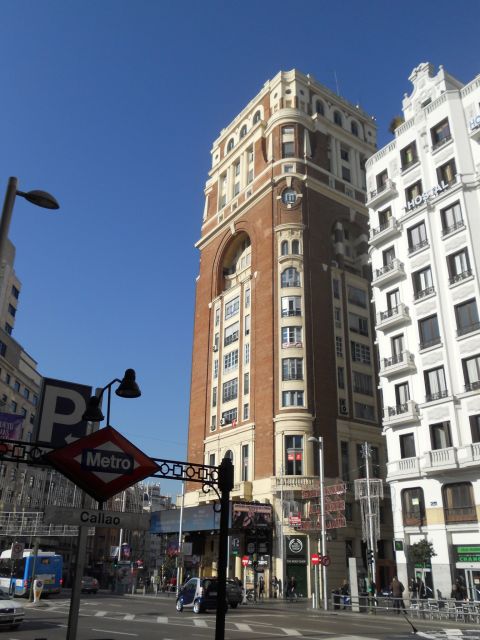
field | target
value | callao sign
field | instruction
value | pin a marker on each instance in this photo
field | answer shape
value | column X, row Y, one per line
column 103, row 463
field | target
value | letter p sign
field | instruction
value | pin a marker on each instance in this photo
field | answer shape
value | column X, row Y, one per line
column 62, row 406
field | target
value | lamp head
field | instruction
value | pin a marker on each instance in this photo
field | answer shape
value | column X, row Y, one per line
column 128, row 388
column 93, row 413
column 312, row 439
column 40, row 198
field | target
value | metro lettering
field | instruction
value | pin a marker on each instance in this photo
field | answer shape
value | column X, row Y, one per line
column 107, row 461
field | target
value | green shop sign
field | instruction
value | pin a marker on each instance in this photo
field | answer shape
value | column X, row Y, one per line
column 470, row 553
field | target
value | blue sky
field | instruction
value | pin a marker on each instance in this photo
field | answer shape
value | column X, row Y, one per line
column 112, row 105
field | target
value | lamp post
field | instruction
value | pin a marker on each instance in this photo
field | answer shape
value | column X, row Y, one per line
column 128, row 388
column 39, row 198
column 323, row 539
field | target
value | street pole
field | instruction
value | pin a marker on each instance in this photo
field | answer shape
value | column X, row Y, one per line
column 7, row 214
column 225, row 484
column 322, row 516
column 371, row 566
column 282, row 552
column 180, row 540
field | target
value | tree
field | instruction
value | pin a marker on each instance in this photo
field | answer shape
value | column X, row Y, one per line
column 421, row 552
column 395, row 123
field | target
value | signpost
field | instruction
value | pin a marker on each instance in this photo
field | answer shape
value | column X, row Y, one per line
column 96, row 518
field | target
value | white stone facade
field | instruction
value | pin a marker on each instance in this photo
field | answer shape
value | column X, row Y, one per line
column 424, row 200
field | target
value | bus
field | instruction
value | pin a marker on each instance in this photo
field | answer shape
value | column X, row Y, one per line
column 16, row 575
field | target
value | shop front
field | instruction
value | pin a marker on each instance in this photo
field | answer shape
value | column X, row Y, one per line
column 467, row 568
column 296, row 560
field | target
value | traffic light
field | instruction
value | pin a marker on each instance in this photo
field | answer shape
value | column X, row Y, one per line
column 370, row 556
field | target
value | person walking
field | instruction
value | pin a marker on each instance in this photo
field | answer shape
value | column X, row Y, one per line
column 397, row 590
column 345, row 593
column 413, row 590
column 275, row 587
column 261, row 588
column 291, row 588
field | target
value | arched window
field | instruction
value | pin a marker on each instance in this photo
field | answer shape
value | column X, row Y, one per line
column 354, row 128
column 284, row 248
column 319, row 108
column 230, row 145
column 413, row 507
column 295, row 247
column 337, row 118
column 256, row 117
column 458, row 503
column 290, row 277
column 243, row 131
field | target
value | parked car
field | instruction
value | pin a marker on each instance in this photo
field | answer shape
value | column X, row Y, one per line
column 89, row 585
column 11, row 612
column 201, row 594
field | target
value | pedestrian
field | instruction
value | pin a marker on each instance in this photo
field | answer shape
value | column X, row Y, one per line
column 158, row 581
column 275, row 586
column 421, row 591
column 345, row 593
column 292, row 588
column 413, row 590
column 261, row 588
column 397, row 590
column 280, row 591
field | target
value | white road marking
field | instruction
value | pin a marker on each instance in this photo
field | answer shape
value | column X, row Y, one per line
column 100, row 614
column 120, row 633
column 162, row 619
column 129, row 616
column 242, row 626
column 291, row 632
column 199, row 623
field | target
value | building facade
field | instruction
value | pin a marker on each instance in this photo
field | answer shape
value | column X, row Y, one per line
column 283, row 341
column 424, row 198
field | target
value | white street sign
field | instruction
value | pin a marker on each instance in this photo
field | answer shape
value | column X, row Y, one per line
column 95, row 518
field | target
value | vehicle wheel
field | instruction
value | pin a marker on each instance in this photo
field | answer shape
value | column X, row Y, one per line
column 197, row 607
column 179, row 605
column 234, row 605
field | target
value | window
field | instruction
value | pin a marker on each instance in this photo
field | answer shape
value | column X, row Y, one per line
column 216, row 342
column 362, row 383
column 15, row 292
column 26, row 393
column 230, row 390
column 11, row 310
column 422, row 283
column 339, row 346
column 291, row 306
column 230, row 145
column 35, row 400
column 435, row 384
column 440, row 133
column 290, row 278
column 244, row 462
column 337, row 118
column 291, row 337
column 246, row 358
column 13, row 406
column 417, row 237
column 288, row 142
column 402, row 396
column 411, row 192
column 319, row 108
column 388, row 256
column 289, row 197
column 346, row 175
column 471, row 373
column 243, row 131
column 393, row 300
column 295, row 247
column 440, row 437
column 475, row 427
column 214, row 397
column 7, row 378
column 345, row 460
column 3, row 348
column 231, row 334
column 16, row 386
column 342, row 406
column 413, row 507
column 360, row 352
column 336, row 288
column 211, row 459
column 384, row 218
column 354, row 128
column 337, row 313
column 217, row 316
column 466, row 315
column 451, row 218
column 232, row 307
column 229, row 416
column 215, row 368
column 408, row 155
column 292, row 369
column 247, row 325
column 397, row 345
column 364, row 411
column 358, row 324
column 407, row 446
column 458, row 266
column 284, row 248
column 256, row 117
column 245, row 411
column 288, row 168
column 8, row 328
column 294, row 455
column 246, row 383
column 447, row 172
column 357, row 296
column 230, row 361
column 247, row 298
column 292, row 398
column 381, row 180
column 428, row 331
column 344, row 153
column 458, row 503
column 341, row 377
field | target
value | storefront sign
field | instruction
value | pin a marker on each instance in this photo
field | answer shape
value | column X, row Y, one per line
column 296, row 549
column 470, row 553
column 426, row 195
column 474, row 123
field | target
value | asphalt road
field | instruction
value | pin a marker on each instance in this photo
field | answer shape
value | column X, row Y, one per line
column 107, row 617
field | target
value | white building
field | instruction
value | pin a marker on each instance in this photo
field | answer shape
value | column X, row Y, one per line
column 424, row 199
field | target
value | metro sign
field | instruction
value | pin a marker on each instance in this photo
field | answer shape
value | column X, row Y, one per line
column 103, row 463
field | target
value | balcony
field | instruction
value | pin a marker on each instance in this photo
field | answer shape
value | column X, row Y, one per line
column 440, row 459
column 438, row 395
column 413, row 248
column 382, row 193
column 472, row 386
column 460, row 514
column 469, row 455
column 424, row 293
column 460, row 276
column 438, row 144
column 403, row 468
column 401, row 414
column 459, row 224
column 295, row 483
column 384, row 232
column 388, row 273
column 392, row 317
column 399, row 364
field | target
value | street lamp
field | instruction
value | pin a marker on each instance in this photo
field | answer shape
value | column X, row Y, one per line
column 128, row 388
column 40, row 198
column 323, row 539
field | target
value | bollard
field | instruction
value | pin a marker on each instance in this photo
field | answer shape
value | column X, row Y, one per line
column 37, row 590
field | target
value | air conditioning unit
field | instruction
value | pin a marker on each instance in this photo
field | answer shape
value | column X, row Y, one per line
column 214, row 348
column 223, row 422
column 343, row 410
